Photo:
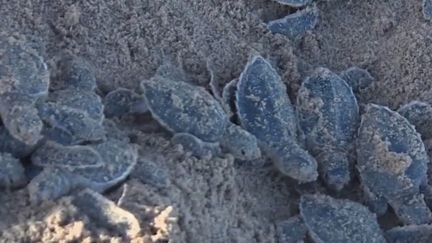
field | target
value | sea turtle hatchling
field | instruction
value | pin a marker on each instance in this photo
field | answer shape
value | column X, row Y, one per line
column 294, row 26
column 328, row 114
column 392, row 163
column 330, row 220
column 96, row 166
column 24, row 80
column 196, row 118
column 264, row 109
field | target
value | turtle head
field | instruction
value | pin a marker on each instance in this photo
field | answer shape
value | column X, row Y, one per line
column 335, row 169
column 294, row 162
column 240, row 143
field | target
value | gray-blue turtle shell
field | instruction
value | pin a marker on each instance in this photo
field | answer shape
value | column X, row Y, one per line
column 328, row 112
column 263, row 106
column 97, row 166
column 52, row 154
column 184, row 108
column 391, row 156
column 295, row 25
column 119, row 158
column 332, row 220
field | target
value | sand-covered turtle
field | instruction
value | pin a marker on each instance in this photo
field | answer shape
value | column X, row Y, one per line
column 264, row 109
column 328, row 114
column 12, row 172
column 410, row 234
column 24, row 80
column 295, row 25
column 392, row 163
column 196, row 118
column 419, row 114
column 330, row 220
column 73, row 112
column 295, row 3
column 95, row 166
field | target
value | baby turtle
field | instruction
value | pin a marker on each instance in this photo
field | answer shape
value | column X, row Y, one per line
column 292, row 230
column 265, row 110
column 410, row 234
column 295, row 3
column 12, row 173
column 332, row 220
column 68, row 125
column 328, row 114
column 121, row 101
column 24, row 80
column 419, row 114
column 97, row 166
column 392, row 162
column 192, row 112
column 294, row 26
column 427, row 9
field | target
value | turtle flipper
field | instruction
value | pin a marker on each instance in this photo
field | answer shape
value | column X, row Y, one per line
column 193, row 144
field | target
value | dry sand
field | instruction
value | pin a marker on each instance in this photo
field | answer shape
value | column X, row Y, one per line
column 216, row 200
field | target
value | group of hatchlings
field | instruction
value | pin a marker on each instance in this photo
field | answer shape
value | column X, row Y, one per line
column 63, row 128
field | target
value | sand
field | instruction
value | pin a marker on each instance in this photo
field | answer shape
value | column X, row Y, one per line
column 217, row 200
